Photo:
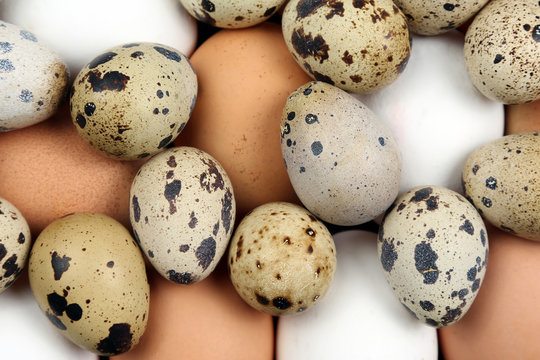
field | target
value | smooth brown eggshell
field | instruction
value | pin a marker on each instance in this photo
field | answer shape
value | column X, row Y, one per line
column 206, row 320
column 245, row 77
column 48, row 171
column 523, row 117
column 503, row 321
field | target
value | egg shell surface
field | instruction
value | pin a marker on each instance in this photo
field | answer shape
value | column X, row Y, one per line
column 359, row 46
column 245, row 77
column 433, row 248
column 88, row 277
column 359, row 307
column 436, row 123
column 501, row 179
column 134, row 99
column 15, row 243
column 33, row 78
column 281, row 259
column 343, row 162
column 182, row 210
column 502, row 51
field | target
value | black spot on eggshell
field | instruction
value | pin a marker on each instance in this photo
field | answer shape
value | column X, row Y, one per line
column 59, row 264
column 491, row 183
column 26, row 96
column 462, row 293
column 172, row 161
column 483, row 237
column 150, row 254
column 169, row 54
column 427, row 305
column 21, row 239
column 27, row 35
column 184, row 248
column 425, row 258
column 432, row 322
column 311, row 119
column 498, row 58
column 112, row 81
column 281, row 303
column 291, row 115
column 305, row 8
column 164, row 142
column 261, row 299
column 388, row 255
column 74, row 312
column 208, row 5
column 192, row 220
column 137, row 54
column 205, row 252
column 118, row 341
column 101, row 59
column 421, row 194
column 536, row 33
column 508, row 229
column 81, row 121
column 448, row 7
column 307, row 45
column 451, row 315
column 6, row 65
column 136, row 208
column 57, row 303
column 211, row 180
column 226, row 210
column 55, row 321
column 316, row 148
column 336, row 8
column 239, row 18
column 321, row 77
column 475, row 285
column 172, row 190
column 381, row 141
column 110, row 264
column 5, row 47
column 430, row 234
column 89, row 108
column 130, row 45
column 269, row 11
column 468, row 227
column 471, row 274
column 216, row 229
column 180, row 278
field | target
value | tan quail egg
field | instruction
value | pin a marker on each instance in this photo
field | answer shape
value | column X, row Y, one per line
column 343, row 162
column 33, row 78
column 182, row 210
column 433, row 248
column 88, row 277
column 14, row 243
column 281, row 259
column 359, row 46
column 133, row 100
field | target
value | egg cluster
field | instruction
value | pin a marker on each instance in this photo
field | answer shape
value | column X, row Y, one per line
column 270, row 179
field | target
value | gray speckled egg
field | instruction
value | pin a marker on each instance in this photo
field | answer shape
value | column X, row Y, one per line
column 343, row 162
column 501, row 179
column 359, row 46
column 182, row 210
column 232, row 14
column 433, row 248
column 15, row 243
column 88, row 277
column 433, row 17
column 133, row 100
column 281, row 259
column 502, row 51
column 33, row 79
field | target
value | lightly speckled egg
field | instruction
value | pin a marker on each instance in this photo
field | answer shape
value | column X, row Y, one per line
column 88, row 277
column 232, row 14
column 502, row 51
column 433, row 248
column 434, row 17
column 359, row 318
column 501, row 179
column 359, row 46
column 133, row 100
column 15, row 240
column 281, row 259
column 33, row 78
column 182, row 210
column 343, row 162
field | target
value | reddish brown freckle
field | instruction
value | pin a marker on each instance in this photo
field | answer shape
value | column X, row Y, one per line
column 287, row 240
column 278, row 276
column 356, row 78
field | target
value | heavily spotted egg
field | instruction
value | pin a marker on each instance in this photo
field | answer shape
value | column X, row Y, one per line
column 232, row 14
column 182, row 210
column 343, row 162
column 359, row 46
column 88, row 277
column 133, row 100
column 281, row 259
column 433, row 249
column 14, row 243
column 501, row 179
column 33, row 78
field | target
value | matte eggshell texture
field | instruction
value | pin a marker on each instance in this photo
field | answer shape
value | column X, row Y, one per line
column 433, row 248
column 33, row 78
column 342, row 161
column 88, row 277
column 502, row 48
column 232, row 13
column 522, row 118
column 359, row 46
column 501, row 180
column 433, row 17
column 132, row 100
column 78, row 30
column 281, row 259
column 15, row 242
column 435, row 113
column 245, row 77
column 359, row 318
column 48, row 171
column 503, row 321
column 182, row 210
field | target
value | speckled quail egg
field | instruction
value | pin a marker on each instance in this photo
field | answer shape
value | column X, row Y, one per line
column 182, row 210
column 359, row 46
column 88, row 277
column 433, row 248
column 501, row 179
column 281, row 259
column 343, row 162
column 33, row 78
column 232, row 14
column 502, row 51
column 433, row 17
column 133, row 100
column 14, row 243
